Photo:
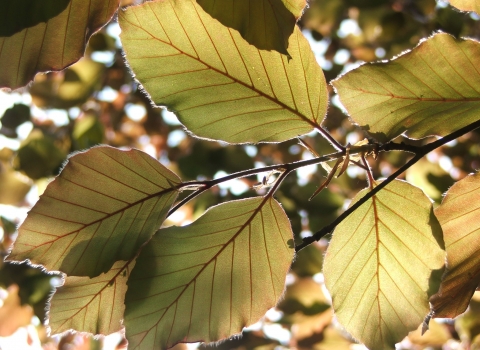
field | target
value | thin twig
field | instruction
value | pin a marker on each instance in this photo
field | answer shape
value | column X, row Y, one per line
column 420, row 152
column 330, row 139
column 371, row 181
column 187, row 199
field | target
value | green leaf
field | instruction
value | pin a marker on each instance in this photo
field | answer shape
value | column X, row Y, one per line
column 383, row 263
column 220, row 86
column 104, row 205
column 93, row 305
column 39, row 156
column 466, row 5
column 432, row 90
column 51, row 37
column 208, row 280
column 458, row 214
column 266, row 24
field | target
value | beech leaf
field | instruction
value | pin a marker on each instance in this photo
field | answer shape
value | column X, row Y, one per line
column 52, row 37
column 103, row 206
column 208, row 280
column 466, row 5
column 93, row 305
column 219, row 86
column 266, row 24
column 458, row 214
column 382, row 264
column 432, row 90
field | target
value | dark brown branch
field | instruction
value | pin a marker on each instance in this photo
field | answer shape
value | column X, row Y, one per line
column 420, row 152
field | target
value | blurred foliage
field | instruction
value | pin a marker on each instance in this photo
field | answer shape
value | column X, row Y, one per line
column 95, row 101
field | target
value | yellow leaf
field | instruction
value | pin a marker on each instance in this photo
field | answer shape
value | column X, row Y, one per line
column 208, row 280
column 381, row 265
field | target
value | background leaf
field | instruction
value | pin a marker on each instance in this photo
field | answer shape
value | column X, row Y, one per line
column 93, row 305
column 266, row 24
column 432, row 90
column 54, row 43
column 466, row 5
column 104, row 205
column 380, row 265
column 458, row 214
column 208, row 280
column 220, row 86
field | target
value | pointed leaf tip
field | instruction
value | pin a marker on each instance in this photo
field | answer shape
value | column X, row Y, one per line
column 219, row 86
column 208, row 280
column 102, row 207
column 266, row 24
column 458, row 215
column 381, row 263
column 432, row 90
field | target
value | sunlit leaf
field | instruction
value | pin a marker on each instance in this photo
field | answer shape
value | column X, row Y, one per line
column 437, row 335
column 220, row 86
column 266, row 24
column 93, row 305
column 466, row 5
column 46, row 40
column 382, row 264
column 432, row 90
column 104, row 205
column 458, row 214
column 208, row 280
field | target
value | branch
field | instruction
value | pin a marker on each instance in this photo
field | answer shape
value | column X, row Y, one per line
column 285, row 168
column 420, row 152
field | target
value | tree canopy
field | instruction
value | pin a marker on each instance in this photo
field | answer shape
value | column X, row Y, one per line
column 301, row 174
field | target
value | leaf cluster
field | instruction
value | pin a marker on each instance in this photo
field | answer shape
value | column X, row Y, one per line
column 246, row 76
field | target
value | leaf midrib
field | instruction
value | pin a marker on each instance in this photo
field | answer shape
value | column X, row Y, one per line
column 225, row 74
column 98, row 220
column 214, row 258
column 417, row 98
column 95, row 295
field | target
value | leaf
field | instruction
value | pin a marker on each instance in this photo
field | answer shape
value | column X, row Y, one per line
column 93, row 305
column 13, row 314
column 78, row 83
column 432, row 90
column 382, row 264
column 208, row 280
column 466, row 5
column 39, row 156
column 104, row 205
column 47, row 41
column 266, row 24
column 220, row 86
column 458, row 214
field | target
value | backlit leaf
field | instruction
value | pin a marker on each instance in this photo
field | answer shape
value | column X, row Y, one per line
column 382, row 264
column 208, row 280
column 52, row 37
column 432, row 90
column 458, row 214
column 103, row 206
column 220, row 86
column 266, row 24
column 466, row 5
column 93, row 305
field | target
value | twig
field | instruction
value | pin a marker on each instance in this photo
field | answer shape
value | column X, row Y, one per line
column 420, row 152
column 330, row 139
